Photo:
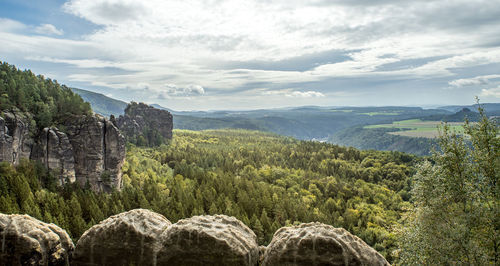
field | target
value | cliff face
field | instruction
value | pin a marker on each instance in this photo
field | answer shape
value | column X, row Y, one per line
column 15, row 142
column 53, row 149
column 144, row 121
column 92, row 151
column 99, row 152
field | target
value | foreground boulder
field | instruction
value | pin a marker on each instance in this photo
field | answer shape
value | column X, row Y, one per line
column 209, row 240
column 27, row 241
column 129, row 238
column 319, row 244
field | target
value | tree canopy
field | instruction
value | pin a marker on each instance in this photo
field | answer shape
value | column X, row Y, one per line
column 456, row 214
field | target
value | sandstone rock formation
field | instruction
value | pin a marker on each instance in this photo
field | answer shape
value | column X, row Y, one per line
column 319, row 244
column 99, row 152
column 208, row 240
column 15, row 142
column 91, row 151
column 140, row 118
column 129, row 238
column 54, row 150
column 142, row 237
column 27, row 241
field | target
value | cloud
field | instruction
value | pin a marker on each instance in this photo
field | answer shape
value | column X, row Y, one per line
column 106, row 12
column 189, row 90
column 230, row 46
column 292, row 93
column 48, row 29
column 493, row 92
column 479, row 80
column 9, row 25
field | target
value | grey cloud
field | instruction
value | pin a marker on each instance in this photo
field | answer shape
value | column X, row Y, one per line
column 118, row 11
column 299, row 63
column 409, row 63
column 106, row 12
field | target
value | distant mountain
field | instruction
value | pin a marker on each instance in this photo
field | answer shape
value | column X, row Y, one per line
column 459, row 116
column 102, row 104
column 492, row 109
column 157, row 106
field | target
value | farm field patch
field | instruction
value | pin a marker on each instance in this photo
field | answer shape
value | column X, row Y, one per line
column 419, row 128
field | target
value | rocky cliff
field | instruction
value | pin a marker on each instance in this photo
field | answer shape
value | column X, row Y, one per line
column 145, row 125
column 90, row 151
column 142, row 237
column 99, row 152
column 15, row 141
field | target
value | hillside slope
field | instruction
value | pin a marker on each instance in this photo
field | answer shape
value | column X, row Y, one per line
column 102, row 104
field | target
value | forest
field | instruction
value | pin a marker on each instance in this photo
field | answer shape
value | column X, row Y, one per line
column 266, row 181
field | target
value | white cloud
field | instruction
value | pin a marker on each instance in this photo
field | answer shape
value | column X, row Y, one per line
column 293, row 93
column 9, row 25
column 48, row 29
column 479, row 80
column 305, row 94
column 189, row 90
column 493, row 92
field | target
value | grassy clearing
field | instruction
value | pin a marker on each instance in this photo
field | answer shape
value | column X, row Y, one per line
column 419, row 128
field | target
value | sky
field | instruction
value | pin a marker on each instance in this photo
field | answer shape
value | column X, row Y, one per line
column 252, row 54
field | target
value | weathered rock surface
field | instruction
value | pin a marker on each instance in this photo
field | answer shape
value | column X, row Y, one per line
column 92, row 151
column 27, row 241
column 140, row 116
column 54, row 150
column 99, row 152
column 208, row 240
column 143, row 237
column 129, row 238
column 15, row 142
column 319, row 244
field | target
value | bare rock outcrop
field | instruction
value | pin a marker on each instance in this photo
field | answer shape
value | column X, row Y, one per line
column 54, row 150
column 319, row 244
column 15, row 142
column 90, row 151
column 208, row 240
column 143, row 237
column 27, row 241
column 142, row 120
column 129, row 238
column 99, row 152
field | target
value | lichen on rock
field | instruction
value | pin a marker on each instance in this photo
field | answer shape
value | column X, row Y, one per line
column 208, row 240
column 128, row 238
column 28, row 241
column 319, row 244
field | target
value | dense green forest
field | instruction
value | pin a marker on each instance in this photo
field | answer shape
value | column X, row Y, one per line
column 49, row 102
column 266, row 181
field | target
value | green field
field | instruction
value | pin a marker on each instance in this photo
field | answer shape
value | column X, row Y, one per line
column 419, row 128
